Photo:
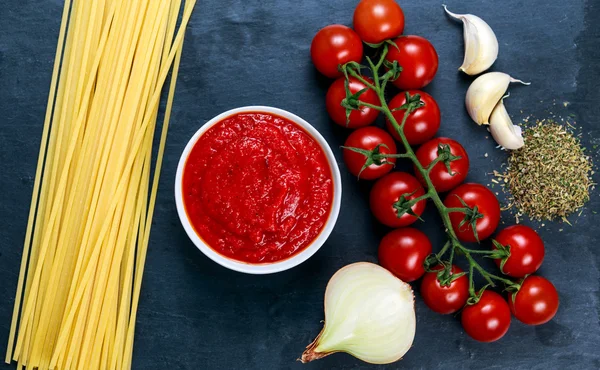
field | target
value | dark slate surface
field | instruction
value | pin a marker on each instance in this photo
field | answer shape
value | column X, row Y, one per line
column 195, row 314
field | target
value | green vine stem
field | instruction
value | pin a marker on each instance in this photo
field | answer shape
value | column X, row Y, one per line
column 413, row 103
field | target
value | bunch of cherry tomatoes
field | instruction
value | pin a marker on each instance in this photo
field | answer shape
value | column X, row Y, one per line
column 517, row 250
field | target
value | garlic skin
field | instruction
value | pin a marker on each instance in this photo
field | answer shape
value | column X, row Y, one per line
column 484, row 94
column 369, row 313
column 481, row 44
column 502, row 129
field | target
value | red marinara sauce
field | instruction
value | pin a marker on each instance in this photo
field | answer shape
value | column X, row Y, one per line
column 257, row 188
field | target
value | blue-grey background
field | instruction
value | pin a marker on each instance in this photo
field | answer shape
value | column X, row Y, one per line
column 195, row 314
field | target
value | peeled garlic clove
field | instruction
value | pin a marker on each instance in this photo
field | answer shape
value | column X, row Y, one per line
column 502, row 129
column 481, row 44
column 369, row 313
column 485, row 93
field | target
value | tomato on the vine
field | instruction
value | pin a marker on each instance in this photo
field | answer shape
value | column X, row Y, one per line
column 488, row 319
column 526, row 250
column 480, row 199
column 403, row 251
column 390, row 197
column 536, row 302
column 422, row 124
column 441, row 179
column 364, row 116
column 418, row 59
column 368, row 138
column 445, row 299
column 378, row 20
column 334, row 45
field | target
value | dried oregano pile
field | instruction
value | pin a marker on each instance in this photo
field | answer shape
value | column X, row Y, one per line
column 550, row 177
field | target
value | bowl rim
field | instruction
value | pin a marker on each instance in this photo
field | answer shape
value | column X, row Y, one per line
column 294, row 260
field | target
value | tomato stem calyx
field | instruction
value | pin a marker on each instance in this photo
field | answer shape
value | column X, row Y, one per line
column 391, row 42
column 502, row 252
column 393, row 72
column 445, row 276
column 351, row 101
column 373, row 156
column 404, row 205
column 355, row 66
column 445, row 156
column 475, row 297
column 471, row 217
column 413, row 102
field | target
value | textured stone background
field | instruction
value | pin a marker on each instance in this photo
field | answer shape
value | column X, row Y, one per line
column 195, row 314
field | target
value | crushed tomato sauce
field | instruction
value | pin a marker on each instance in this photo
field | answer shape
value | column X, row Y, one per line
column 257, row 188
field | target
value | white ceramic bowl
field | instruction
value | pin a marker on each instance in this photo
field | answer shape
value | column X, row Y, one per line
column 266, row 268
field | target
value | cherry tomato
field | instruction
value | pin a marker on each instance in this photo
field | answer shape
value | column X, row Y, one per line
column 368, row 138
column 445, row 299
column 385, row 197
column 378, row 20
column 418, row 59
column 487, row 205
column 403, row 251
column 334, row 45
column 536, row 302
column 526, row 250
column 440, row 177
column 358, row 118
column 422, row 124
column 488, row 319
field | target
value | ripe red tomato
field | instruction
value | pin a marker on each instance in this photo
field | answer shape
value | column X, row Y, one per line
column 440, row 177
column 526, row 250
column 422, row 124
column 418, row 59
column 403, row 251
column 487, row 205
column 536, row 301
column 378, row 20
column 368, row 138
column 445, row 299
column 358, row 118
column 386, row 194
column 334, row 45
column 488, row 319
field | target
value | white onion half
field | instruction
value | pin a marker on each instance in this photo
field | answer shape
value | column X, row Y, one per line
column 369, row 313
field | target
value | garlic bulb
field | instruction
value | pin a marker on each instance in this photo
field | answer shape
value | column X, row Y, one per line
column 502, row 129
column 484, row 94
column 369, row 313
column 481, row 44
